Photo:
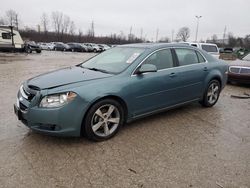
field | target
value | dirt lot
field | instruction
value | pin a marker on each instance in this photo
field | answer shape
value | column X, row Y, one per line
column 186, row 147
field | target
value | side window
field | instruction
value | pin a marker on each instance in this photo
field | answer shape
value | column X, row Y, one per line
column 186, row 56
column 200, row 57
column 6, row 35
column 161, row 59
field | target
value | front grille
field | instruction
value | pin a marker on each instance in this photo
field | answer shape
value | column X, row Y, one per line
column 22, row 106
column 239, row 70
column 245, row 70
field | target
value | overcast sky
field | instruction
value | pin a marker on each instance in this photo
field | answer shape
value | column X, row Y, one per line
column 114, row 16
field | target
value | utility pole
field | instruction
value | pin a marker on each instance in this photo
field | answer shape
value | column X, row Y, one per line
column 157, row 33
column 92, row 29
column 130, row 34
column 172, row 39
column 197, row 28
column 16, row 20
column 141, row 33
column 224, row 35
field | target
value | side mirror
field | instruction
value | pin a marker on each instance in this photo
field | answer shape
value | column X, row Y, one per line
column 146, row 68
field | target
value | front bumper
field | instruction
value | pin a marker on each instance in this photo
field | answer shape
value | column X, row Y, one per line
column 64, row 121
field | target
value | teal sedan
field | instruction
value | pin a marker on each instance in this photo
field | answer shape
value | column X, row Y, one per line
column 97, row 97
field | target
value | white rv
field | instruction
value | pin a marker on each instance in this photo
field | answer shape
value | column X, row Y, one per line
column 10, row 39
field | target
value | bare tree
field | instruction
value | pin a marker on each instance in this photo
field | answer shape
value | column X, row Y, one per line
column 72, row 28
column 65, row 24
column 3, row 21
column 80, row 34
column 214, row 38
column 57, row 22
column 165, row 39
column 12, row 18
column 45, row 22
column 183, row 33
column 91, row 31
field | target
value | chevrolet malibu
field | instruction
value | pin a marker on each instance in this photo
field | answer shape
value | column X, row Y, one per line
column 97, row 97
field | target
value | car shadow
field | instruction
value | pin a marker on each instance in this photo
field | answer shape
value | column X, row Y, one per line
column 32, row 137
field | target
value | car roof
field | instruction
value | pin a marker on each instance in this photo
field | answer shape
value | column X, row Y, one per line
column 156, row 45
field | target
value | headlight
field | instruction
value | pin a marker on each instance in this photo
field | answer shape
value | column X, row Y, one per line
column 57, row 100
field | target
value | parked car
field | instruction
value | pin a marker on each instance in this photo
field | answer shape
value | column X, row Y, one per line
column 208, row 47
column 239, row 70
column 31, row 46
column 86, row 48
column 46, row 46
column 75, row 47
column 95, row 47
column 89, row 47
column 117, row 86
column 104, row 47
column 59, row 46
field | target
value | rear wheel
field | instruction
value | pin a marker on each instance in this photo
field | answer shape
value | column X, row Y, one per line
column 212, row 94
column 103, row 120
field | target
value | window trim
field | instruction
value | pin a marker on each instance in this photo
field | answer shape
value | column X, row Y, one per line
column 166, row 48
column 174, row 56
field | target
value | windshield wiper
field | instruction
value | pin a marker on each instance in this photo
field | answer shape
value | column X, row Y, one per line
column 96, row 69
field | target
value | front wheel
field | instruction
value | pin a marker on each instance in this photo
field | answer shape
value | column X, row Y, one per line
column 211, row 94
column 103, row 120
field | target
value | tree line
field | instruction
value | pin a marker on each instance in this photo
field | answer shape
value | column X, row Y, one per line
column 58, row 26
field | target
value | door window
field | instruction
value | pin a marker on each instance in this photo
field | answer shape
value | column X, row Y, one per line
column 186, row 56
column 161, row 59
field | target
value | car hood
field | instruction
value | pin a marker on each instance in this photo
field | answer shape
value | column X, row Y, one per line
column 240, row 63
column 64, row 76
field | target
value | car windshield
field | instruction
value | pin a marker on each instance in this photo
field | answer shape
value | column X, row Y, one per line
column 114, row 60
column 246, row 58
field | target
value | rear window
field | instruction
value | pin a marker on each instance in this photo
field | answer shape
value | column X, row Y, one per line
column 6, row 35
column 209, row 48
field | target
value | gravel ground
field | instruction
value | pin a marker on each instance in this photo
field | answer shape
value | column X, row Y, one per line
column 187, row 147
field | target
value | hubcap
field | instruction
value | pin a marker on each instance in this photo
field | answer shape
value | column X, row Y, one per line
column 105, row 120
column 213, row 93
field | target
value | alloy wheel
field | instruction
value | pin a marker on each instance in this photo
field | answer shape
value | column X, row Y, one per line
column 213, row 93
column 105, row 120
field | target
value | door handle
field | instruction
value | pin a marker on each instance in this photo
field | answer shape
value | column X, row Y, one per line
column 172, row 75
column 205, row 69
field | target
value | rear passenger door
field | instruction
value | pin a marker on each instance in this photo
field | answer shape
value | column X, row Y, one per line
column 192, row 71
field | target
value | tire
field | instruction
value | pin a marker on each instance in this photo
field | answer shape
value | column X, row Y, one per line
column 38, row 51
column 211, row 94
column 99, row 125
column 28, row 50
column 95, row 50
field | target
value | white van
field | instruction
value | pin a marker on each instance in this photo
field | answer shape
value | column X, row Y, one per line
column 10, row 39
column 208, row 47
